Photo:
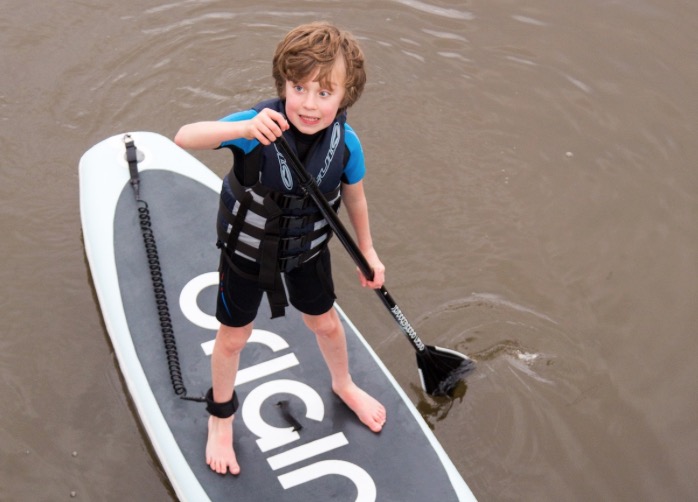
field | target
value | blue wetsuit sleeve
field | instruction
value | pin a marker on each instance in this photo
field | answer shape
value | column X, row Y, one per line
column 355, row 169
column 246, row 145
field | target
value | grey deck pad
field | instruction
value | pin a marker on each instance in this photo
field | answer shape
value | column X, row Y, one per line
column 333, row 456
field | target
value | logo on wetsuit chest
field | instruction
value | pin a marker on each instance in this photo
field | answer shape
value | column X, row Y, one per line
column 334, row 143
column 284, row 170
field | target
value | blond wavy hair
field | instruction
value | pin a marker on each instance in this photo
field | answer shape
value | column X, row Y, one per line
column 317, row 46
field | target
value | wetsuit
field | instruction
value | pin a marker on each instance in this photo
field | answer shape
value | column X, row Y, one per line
column 264, row 216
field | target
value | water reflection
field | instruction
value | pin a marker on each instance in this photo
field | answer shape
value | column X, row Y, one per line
column 436, row 408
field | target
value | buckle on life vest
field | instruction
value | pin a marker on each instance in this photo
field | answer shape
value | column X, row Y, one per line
column 294, row 222
column 298, row 243
column 286, row 202
column 288, row 263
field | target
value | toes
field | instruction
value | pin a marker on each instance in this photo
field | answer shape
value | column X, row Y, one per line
column 378, row 421
column 223, row 467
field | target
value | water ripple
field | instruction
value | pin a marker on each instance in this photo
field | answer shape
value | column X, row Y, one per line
column 528, row 20
column 204, row 18
column 445, row 35
column 438, row 11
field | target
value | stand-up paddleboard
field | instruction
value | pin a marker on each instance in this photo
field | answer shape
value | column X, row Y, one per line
column 294, row 439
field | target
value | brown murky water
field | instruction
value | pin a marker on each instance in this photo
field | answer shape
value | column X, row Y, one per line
column 533, row 190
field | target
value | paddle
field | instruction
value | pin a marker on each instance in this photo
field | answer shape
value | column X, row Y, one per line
column 440, row 369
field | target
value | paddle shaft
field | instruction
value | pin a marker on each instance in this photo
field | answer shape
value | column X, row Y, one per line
column 310, row 187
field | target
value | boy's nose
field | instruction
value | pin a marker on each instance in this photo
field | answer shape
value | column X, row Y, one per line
column 309, row 101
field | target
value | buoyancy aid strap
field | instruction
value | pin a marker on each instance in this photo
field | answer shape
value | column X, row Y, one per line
column 269, row 270
column 276, row 295
column 236, row 223
column 291, row 245
column 278, row 301
column 237, row 226
column 299, row 234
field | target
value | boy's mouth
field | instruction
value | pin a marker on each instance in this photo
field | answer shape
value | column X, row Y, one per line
column 309, row 120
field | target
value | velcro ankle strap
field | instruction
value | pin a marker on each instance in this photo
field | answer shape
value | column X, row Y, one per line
column 221, row 410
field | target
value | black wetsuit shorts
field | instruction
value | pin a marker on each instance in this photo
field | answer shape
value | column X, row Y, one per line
column 310, row 289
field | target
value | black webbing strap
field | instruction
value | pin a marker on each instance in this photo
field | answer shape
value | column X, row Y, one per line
column 239, row 222
column 132, row 159
column 269, row 271
column 236, row 223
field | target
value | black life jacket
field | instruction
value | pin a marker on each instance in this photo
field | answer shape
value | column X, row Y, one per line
column 265, row 216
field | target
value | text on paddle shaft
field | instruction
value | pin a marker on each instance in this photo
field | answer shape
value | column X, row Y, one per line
column 269, row 436
column 407, row 327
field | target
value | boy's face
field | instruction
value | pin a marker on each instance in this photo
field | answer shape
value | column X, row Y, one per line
column 312, row 107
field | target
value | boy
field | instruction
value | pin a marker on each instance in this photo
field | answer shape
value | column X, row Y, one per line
column 267, row 227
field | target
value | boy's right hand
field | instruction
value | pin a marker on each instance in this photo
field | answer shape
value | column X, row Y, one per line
column 266, row 126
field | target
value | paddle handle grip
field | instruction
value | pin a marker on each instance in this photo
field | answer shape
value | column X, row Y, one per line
column 311, row 188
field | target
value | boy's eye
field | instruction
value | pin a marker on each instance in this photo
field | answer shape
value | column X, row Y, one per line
column 298, row 88
column 325, row 94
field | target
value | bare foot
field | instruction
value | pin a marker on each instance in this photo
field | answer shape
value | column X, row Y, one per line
column 219, row 448
column 369, row 410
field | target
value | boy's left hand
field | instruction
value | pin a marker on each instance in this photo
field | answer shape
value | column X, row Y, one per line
column 378, row 270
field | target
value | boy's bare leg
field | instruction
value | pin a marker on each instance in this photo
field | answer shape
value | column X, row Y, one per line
column 225, row 360
column 332, row 341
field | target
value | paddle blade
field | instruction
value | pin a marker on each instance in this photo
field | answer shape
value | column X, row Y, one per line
column 441, row 369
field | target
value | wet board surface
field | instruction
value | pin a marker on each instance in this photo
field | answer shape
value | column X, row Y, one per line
column 333, row 456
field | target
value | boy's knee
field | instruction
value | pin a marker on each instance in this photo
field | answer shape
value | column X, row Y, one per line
column 324, row 325
column 232, row 340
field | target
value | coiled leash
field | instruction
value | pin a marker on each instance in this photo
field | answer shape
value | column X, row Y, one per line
column 153, row 257
column 221, row 410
